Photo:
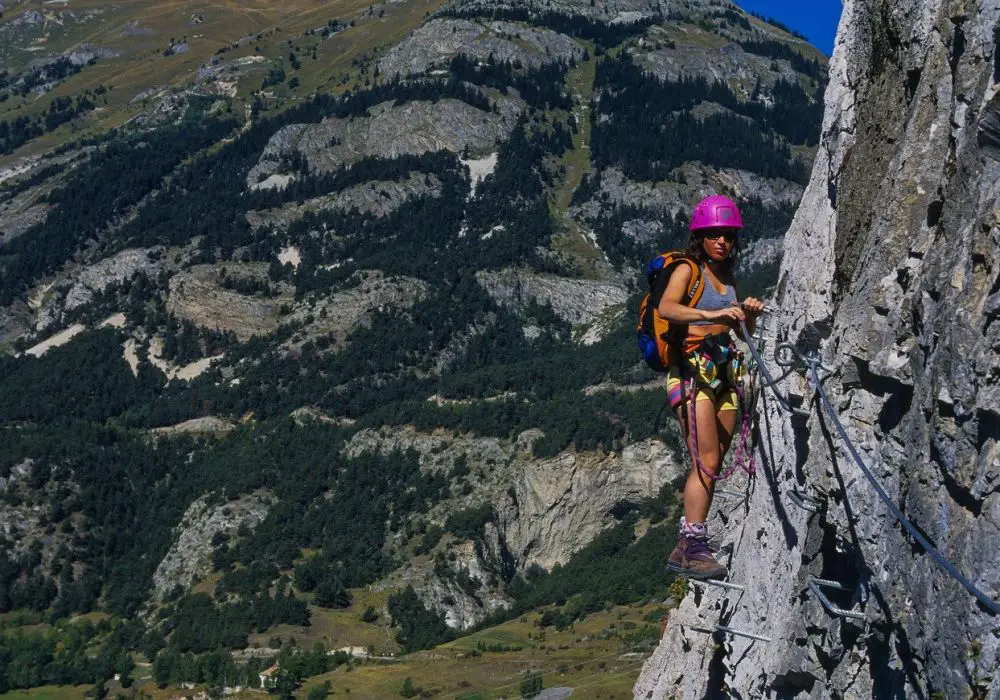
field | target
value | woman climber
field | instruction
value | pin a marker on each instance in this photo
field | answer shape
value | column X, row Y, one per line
column 703, row 387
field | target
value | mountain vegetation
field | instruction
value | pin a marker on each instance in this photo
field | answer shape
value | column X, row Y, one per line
column 100, row 467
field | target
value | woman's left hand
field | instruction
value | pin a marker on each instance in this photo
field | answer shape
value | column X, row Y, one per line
column 753, row 306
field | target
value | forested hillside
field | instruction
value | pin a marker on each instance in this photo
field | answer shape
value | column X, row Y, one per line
column 326, row 339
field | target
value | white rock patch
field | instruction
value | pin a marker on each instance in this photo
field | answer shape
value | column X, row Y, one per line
column 479, row 168
column 290, row 256
column 113, row 321
column 131, row 356
column 274, row 182
column 56, row 341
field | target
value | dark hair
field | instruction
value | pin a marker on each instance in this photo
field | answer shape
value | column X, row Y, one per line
column 696, row 251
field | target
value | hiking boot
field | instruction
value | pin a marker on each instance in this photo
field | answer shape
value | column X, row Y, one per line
column 694, row 558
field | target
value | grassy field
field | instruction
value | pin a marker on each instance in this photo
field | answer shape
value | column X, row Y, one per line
column 335, row 629
column 571, row 239
column 596, row 657
column 49, row 692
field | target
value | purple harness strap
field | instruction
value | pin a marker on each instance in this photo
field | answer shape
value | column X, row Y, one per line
column 743, row 458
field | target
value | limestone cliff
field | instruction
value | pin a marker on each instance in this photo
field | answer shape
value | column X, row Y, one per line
column 545, row 509
column 891, row 271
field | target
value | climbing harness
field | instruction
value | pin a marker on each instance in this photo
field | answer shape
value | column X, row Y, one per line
column 788, row 355
column 703, row 367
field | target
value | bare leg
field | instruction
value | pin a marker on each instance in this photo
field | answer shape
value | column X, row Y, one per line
column 715, row 434
column 727, row 428
column 698, row 488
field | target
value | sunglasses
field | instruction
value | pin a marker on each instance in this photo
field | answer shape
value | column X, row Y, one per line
column 730, row 236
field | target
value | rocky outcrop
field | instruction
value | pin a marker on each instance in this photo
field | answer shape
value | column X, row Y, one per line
column 692, row 182
column 412, row 128
column 206, row 425
column 118, row 268
column 577, row 301
column 890, row 271
column 190, row 557
column 547, row 509
column 611, row 11
column 435, row 43
column 465, row 590
column 26, row 511
column 195, row 296
column 377, row 198
column 19, row 215
column 559, row 505
column 342, row 312
column 695, row 53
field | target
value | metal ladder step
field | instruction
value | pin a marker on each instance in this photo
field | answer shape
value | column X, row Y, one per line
column 808, row 503
column 717, row 582
column 816, row 585
column 733, row 631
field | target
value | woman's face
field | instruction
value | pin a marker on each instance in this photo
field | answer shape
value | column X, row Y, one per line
column 718, row 243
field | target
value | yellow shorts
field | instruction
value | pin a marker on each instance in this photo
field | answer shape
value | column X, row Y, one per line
column 724, row 398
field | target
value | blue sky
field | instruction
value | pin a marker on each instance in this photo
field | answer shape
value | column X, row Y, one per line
column 817, row 19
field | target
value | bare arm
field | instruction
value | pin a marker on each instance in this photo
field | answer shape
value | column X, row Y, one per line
column 672, row 308
column 753, row 308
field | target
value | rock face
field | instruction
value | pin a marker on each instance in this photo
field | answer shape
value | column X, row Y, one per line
column 379, row 198
column 728, row 63
column 118, row 268
column 671, row 197
column 612, row 11
column 196, row 296
column 436, row 42
column 342, row 312
column 390, row 131
column 580, row 302
column 546, row 509
column 190, row 557
column 891, row 272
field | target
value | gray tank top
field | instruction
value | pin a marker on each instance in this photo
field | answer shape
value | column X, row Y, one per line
column 711, row 300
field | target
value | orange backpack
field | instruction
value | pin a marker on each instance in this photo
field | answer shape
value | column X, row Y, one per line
column 659, row 340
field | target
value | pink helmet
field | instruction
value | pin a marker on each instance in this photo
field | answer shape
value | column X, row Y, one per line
column 714, row 212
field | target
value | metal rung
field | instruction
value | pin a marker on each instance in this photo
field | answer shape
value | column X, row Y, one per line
column 716, row 582
column 816, row 585
column 813, row 505
column 732, row 631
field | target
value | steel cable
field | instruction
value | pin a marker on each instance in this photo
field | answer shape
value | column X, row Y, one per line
column 939, row 558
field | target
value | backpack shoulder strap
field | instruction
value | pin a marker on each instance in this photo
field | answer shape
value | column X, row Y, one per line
column 696, row 287
column 658, row 282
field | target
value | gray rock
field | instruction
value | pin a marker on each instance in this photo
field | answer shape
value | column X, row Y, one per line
column 196, row 296
column 190, row 557
column 888, row 270
column 578, row 301
column 462, row 608
column 341, row 312
column 547, row 509
column 409, row 129
column 728, row 64
column 378, row 198
column 87, row 52
column 118, row 268
column 612, row 11
column 435, row 43
column 554, row 694
column 692, row 182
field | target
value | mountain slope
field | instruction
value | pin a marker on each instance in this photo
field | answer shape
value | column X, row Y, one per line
column 264, row 352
